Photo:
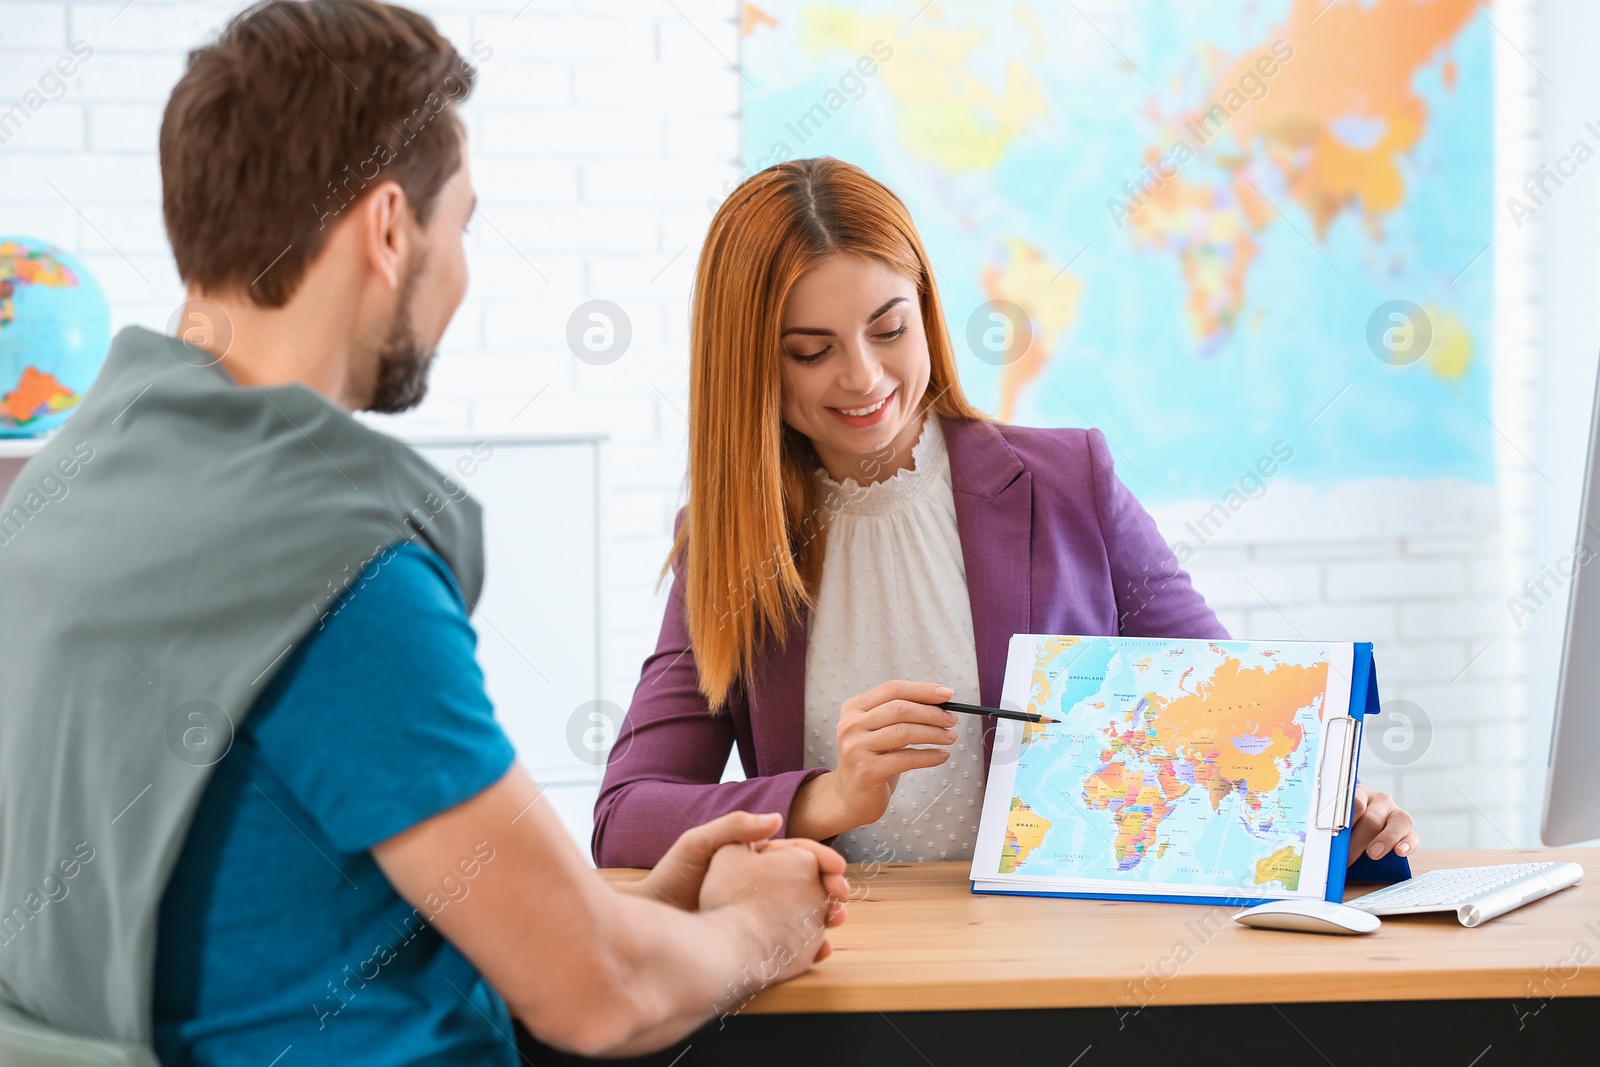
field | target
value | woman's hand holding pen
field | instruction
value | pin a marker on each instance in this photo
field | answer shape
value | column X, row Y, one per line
column 876, row 730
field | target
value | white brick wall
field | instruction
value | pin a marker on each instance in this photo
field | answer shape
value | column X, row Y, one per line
column 599, row 130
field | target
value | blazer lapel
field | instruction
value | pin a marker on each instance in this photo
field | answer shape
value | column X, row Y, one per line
column 994, row 516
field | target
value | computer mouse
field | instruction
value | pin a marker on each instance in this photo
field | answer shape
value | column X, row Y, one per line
column 1310, row 917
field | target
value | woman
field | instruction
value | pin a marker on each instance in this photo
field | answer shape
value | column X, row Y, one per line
column 853, row 519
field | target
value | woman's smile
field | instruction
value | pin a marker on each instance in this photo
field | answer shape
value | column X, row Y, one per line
column 867, row 414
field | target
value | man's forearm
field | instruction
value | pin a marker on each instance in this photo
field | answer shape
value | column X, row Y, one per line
column 690, row 975
column 677, row 970
column 591, row 968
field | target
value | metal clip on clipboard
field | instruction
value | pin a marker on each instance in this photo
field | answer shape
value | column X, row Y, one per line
column 1336, row 777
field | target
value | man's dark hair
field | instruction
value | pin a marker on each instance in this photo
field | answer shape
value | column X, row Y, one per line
column 284, row 121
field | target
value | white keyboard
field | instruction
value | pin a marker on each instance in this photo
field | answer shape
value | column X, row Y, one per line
column 1475, row 894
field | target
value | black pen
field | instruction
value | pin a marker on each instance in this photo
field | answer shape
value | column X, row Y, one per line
column 996, row 713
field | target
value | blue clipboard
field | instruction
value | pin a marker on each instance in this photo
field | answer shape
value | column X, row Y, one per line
column 1390, row 868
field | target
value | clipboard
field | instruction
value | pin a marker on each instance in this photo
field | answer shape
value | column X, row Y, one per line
column 1388, row 868
column 1333, row 806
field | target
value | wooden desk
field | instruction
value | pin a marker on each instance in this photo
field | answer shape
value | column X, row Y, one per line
column 920, row 940
column 924, row 971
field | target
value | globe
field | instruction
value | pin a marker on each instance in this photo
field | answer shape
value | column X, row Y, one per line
column 55, row 329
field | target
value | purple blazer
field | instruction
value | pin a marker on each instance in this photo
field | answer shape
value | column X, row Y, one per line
column 1053, row 543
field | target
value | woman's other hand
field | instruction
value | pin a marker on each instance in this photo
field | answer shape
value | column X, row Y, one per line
column 1379, row 825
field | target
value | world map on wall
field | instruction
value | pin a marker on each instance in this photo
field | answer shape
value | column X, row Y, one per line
column 1223, row 222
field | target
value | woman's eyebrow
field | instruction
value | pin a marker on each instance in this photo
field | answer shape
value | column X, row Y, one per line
column 817, row 331
column 897, row 300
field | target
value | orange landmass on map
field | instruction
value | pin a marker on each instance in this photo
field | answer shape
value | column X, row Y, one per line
column 1235, row 703
column 1048, row 295
column 1361, row 73
column 1364, row 66
column 1025, row 830
column 1282, row 866
column 37, row 393
column 1042, row 690
column 33, row 268
column 1137, row 805
column 750, row 17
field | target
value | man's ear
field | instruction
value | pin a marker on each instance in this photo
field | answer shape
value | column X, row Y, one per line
column 385, row 234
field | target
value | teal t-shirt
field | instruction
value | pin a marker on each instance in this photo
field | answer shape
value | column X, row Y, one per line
column 280, row 941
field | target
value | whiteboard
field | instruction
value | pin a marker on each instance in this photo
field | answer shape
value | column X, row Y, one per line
column 538, row 619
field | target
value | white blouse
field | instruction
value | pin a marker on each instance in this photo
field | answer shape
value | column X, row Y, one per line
column 892, row 603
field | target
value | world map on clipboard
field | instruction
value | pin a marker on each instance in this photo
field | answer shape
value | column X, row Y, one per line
column 1175, row 763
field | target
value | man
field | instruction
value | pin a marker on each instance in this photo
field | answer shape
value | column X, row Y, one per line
column 253, row 797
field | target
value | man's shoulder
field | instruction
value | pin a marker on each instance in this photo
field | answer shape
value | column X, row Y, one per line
column 402, row 588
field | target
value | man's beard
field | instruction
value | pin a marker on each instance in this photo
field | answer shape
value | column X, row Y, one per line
column 402, row 375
